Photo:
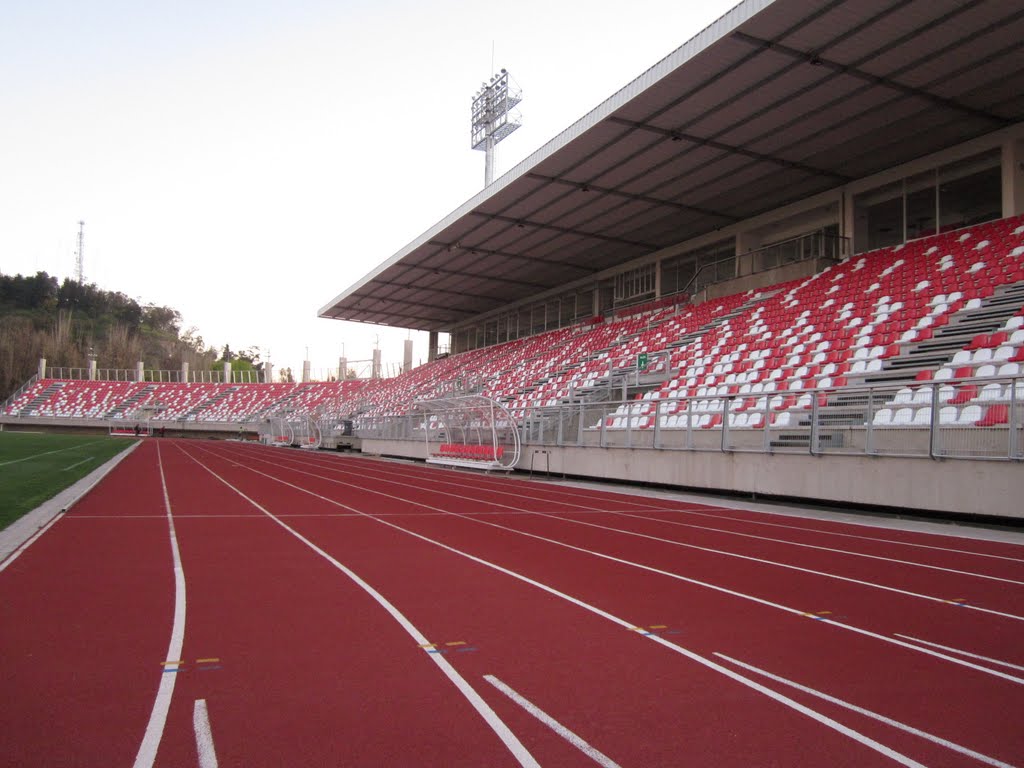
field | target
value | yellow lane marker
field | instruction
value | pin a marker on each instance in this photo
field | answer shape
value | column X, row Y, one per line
column 659, row 626
column 171, row 663
column 206, row 661
column 428, row 645
column 456, row 642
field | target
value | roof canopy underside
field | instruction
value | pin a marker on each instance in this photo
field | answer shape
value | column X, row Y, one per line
column 773, row 103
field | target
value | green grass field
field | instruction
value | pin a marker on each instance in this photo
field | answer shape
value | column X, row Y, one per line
column 35, row 467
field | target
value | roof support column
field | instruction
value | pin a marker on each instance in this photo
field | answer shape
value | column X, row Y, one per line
column 432, row 346
column 1013, row 177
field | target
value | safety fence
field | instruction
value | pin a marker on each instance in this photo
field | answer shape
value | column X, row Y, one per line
column 978, row 418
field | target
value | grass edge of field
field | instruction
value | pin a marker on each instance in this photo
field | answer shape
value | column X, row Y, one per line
column 33, row 476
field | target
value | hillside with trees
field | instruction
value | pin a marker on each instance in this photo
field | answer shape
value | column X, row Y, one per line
column 66, row 322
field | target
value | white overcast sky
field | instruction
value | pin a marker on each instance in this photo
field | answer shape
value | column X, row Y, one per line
column 244, row 161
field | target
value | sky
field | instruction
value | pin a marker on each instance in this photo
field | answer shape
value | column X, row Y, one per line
column 245, row 161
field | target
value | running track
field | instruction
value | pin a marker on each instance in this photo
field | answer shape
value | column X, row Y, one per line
column 228, row 604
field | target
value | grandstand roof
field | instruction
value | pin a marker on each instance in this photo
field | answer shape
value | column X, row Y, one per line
column 776, row 101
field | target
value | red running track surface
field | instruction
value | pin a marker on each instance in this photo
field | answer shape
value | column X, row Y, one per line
column 351, row 611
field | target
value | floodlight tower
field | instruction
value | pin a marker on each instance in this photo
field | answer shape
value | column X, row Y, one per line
column 80, row 254
column 494, row 117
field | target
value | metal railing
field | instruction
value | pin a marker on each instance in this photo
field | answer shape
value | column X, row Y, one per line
column 10, row 400
column 980, row 418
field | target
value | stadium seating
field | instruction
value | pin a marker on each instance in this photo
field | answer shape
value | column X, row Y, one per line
column 921, row 318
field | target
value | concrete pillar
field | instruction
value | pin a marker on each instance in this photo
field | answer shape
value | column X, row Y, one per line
column 745, row 243
column 42, row 368
column 184, row 371
column 268, row 373
column 432, row 346
column 92, row 369
column 375, row 372
column 227, row 371
column 1013, row 177
column 407, row 356
column 305, row 371
column 140, row 371
column 342, row 368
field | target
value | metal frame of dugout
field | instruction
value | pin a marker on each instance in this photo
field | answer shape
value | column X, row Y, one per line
column 470, row 431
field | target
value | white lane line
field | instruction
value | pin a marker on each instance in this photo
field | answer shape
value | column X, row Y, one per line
column 962, row 653
column 819, row 547
column 47, row 453
column 775, row 563
column 25, row 545
column 520, row 510
column 581, row 744
column 204, row 735
column 868, row 713
column 612, row 558
column 674, row 506
column 503, row 732
column 788, row 566
column 678, row 506
column 916, row 545
column 78, row 463
column 162, row 703
column 693, row 656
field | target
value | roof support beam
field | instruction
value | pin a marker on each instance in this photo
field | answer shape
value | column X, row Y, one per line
column 884, row 82
column 407, row 302
column 474, row 250
column 457, row 273
column 564, row 230
column 656, row 202
column 731, row 149
column 388, row 317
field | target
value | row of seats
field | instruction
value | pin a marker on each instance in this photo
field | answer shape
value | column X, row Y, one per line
column 464, row 451
column 850, row 321
column 209, row 402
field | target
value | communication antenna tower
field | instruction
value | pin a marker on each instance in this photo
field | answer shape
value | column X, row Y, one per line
column 80, row 254
column 494, row 117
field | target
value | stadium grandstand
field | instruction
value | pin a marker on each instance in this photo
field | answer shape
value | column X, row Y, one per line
column 787, row 260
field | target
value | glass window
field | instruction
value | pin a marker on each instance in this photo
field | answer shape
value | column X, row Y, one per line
column 970, row 191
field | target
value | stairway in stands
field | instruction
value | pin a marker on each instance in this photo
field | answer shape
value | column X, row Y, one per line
column 51, row 389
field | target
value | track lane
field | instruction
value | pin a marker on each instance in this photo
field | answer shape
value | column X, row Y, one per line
column 298, row 666
column 457, row 531
column 84, row 612
column 926, row 670
column 952, row 539
column 941, row 552
column 813, row 573
column 579, row 668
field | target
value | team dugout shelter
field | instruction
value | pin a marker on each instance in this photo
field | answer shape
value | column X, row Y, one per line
column 785, row 137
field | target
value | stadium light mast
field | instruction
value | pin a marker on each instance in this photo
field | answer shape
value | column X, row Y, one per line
column 80, row 254
column 494, row 117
